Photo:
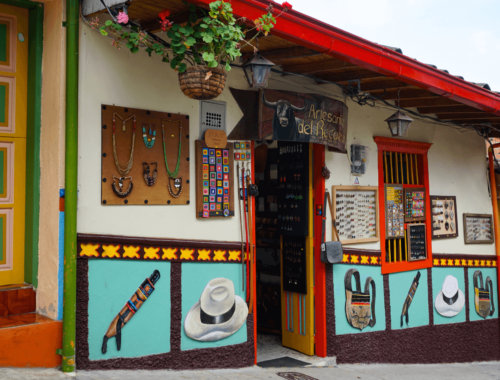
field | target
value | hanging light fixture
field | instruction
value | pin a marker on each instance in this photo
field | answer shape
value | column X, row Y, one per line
column 399, row 123
column 257, row 70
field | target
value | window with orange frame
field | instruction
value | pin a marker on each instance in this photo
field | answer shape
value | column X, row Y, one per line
column 402, row 173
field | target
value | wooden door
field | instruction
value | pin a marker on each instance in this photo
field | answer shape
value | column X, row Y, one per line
column 297, row 309
column 13, row 116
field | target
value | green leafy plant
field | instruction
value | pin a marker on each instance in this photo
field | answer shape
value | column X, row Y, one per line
column 215, row 39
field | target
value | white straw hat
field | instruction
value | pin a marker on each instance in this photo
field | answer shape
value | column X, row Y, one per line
column 450, row 300
column 218, row 314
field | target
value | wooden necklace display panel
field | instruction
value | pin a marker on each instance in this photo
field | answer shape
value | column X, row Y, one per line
column 141, row 193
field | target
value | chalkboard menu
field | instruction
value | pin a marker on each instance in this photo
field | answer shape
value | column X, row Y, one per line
column 414, row 199
column 293, row 188
column 294, row 264
column 394, row 216
column 417, row 247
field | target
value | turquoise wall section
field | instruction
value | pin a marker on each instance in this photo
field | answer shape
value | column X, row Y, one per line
column 195, row 277
column 111, row 284
column 438, row 276
column 399, row 285
column 341, row 324
column 487, row 272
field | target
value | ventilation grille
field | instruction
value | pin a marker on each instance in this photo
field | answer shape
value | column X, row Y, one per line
column 213, row 120
column 212, row 116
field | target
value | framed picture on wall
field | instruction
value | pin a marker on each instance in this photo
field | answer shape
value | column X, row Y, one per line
column 478, row 229
column 444, row 217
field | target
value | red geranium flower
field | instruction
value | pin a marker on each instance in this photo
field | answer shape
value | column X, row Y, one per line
column 286, row 6
column 164, row 14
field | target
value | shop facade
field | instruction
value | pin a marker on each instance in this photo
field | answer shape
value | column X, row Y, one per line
column 121, row 244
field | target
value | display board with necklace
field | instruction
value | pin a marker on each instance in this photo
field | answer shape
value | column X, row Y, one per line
column 172, row 176
column 123, row 169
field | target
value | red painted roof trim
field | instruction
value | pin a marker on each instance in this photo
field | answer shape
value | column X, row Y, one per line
column 314, row 34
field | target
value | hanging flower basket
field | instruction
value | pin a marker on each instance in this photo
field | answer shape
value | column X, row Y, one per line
column 202, row 83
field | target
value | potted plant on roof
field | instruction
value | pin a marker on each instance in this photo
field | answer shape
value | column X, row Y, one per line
column 200, row 50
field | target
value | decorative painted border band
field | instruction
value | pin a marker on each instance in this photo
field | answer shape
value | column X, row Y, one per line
column 471, row 261
column 136, row 248
column 361, row 257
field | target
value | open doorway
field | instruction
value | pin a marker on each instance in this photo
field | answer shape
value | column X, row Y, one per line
column 284, row 254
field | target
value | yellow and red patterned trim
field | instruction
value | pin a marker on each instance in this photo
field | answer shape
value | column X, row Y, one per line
column 146, row 249
column 471, row 261
column 361, row 257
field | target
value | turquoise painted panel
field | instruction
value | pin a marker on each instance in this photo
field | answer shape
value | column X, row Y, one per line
column 487, row 272
column 195, row 277
column 399, row 285
column 342, row 326
column 111, row 284
column 3, row 103
column 438, row 276
column 3, row 42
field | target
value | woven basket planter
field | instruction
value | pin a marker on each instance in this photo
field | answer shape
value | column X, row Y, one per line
column 194, row 85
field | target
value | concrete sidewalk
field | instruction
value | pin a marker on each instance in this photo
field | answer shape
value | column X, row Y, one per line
column 476, row 371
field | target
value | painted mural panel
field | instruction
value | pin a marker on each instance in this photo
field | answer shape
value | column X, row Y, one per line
column 361, row 306
column 197, row 283
column 486, row 291
column 409, row 299
column 114, row 284
column 448, row 294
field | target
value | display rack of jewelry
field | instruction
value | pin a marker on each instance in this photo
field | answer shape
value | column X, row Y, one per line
column 133, row 170
column 478, row 229
column 444, row 217
column 417, row 244
column 414, row 204
column 394, row 212
column 214, row 181
column 294, row 264
column 355, row 209
column 293, row 188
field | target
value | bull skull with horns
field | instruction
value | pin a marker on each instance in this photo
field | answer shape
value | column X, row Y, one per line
column 283, row 109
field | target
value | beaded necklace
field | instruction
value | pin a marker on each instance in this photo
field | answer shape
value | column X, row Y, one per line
column 149, row 143
column 173, row 175
column 123, row 169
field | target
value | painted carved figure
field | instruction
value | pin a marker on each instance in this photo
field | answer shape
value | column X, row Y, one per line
column 360, row 312
column 483, row 296
column 285, row 123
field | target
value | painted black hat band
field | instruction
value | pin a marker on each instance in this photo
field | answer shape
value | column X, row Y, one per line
column 452, row 300
column 215, row 320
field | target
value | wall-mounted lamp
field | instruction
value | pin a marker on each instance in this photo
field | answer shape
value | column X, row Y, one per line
column 257, row 70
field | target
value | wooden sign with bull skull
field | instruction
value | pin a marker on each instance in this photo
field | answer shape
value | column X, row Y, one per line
column 291, row 116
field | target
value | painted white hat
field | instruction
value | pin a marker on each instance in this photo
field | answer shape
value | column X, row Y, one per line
column 218, row 314
column 450, row 300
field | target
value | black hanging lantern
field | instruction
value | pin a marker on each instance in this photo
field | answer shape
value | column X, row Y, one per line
column 257, row 70
column 399, row 124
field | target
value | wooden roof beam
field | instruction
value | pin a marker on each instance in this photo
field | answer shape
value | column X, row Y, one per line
column 448, row 109
column 317, row 67
column 285, row 53
column 357, row 73
column 466, row 116
column 409, row 92
column 386, row 83
column 493, row 120
column 427, row 102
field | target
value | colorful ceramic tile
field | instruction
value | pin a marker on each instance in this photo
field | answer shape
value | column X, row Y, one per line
column 226, row 177
column 212, row 175
column 205, row 206
column 205, row 160
column 205, row 175
column 211, row 152
column 212, row 199
column 212, row 168
column 218, row 207
column 236, row 145
column 219, row 191
column 237, row 156
column 212, row 161
column 219, row 183
column 205, row 168
column 226, row 198
column 213, row 191
column 219, row 175
column 219, row 161
column 206, row 214
column 226, row 184
column 218, row 153
column 212, row 206
column 249, row 157
column 226, row 206
column 219, row 199
column 205, row 151
column 205, row 183
column 226, row 168
column 225, row 153
column 205, row 199
column 225, row 161
column 219, row 168
column 247, row 145
column 205, row 191
column 226, row 191
column 212, row 183
column 243, row 156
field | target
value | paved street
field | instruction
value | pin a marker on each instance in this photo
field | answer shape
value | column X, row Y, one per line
column 476, row 371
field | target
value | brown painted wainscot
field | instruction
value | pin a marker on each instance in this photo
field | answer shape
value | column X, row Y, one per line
column 91, row 247
column 454, row 342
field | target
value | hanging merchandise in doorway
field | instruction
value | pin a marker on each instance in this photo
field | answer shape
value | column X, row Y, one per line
column 293, row 188
column 294, row 264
